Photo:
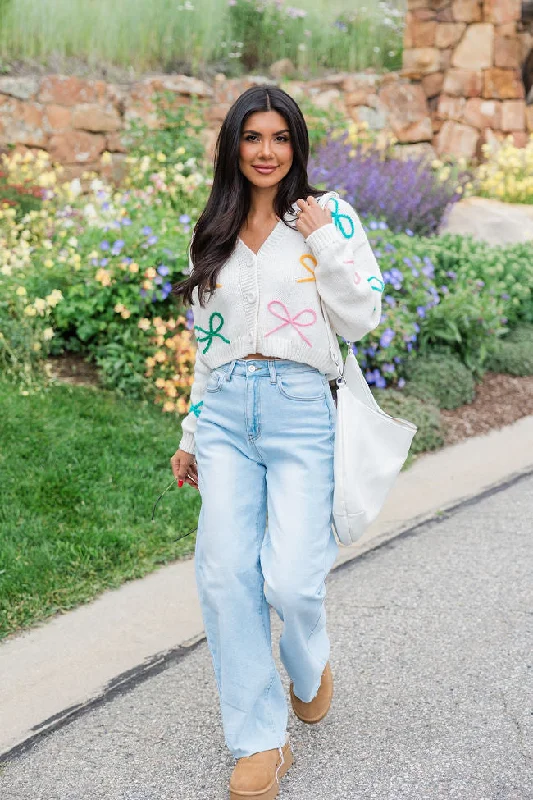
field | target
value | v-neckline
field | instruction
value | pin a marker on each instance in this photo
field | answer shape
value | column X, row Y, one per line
column 268, row 238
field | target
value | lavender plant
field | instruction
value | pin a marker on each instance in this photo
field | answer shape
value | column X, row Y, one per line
column 408, row 195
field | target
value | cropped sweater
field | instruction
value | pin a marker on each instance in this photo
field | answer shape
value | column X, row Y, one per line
column 270, row 302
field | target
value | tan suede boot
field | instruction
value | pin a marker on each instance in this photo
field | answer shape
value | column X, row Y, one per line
column 257, row 776
column 317, row 709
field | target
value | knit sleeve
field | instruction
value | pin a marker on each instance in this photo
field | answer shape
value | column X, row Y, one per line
column 188, row 425
column 347, row 274
column 201, row 375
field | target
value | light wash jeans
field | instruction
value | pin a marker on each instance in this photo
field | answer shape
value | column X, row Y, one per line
column 264, row 445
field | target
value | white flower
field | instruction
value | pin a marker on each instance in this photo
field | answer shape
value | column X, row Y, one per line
column 75, row 187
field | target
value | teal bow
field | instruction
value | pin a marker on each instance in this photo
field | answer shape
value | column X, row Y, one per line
column 212, row 332
column 338, row 218
column 376, row 284
column 196, row 408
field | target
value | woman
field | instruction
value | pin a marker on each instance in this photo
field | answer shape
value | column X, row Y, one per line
column 265, row 256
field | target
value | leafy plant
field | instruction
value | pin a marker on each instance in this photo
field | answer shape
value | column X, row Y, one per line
column 513, row 355
column 441, row 379
column 507, row 173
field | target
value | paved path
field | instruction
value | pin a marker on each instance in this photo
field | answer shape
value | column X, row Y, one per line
column 432, row 657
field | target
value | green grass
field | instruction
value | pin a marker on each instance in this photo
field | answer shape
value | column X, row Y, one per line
column 174, row 35
column 80, row 471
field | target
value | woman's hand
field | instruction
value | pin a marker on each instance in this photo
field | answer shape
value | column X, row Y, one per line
column 311, row 216
column 185, row 468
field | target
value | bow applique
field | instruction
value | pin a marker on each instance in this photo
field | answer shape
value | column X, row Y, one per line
column 338, row 218
column 212, row 332
column 312, row 259
column 293, row 321
column 196, row 408
column 376, row 284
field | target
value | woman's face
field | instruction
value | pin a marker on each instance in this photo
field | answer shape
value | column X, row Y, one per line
column 265, row 149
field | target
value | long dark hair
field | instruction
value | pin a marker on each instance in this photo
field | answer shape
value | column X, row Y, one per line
column 216, row 232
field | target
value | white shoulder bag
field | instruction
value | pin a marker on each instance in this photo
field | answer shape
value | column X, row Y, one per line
column 370, row 449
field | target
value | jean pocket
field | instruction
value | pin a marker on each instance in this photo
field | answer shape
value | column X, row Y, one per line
column 214, row 382
column 302, row 386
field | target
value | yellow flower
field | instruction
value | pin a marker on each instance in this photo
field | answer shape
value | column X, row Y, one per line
column 30, row 311
column 150, row 273
column 160, row 382
column 144, row 324
column 169, row 406
column 161, row 157
column 106, row 158
column 134, row 267
column 21, row 291
column 125, row 313
column 48, row 333
column 36, row 346
column 40, row 305
column 48, row 263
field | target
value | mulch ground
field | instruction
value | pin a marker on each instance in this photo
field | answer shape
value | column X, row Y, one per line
column 500, row 399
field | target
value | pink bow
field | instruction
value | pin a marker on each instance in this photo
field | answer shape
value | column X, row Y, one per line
column 288, row 320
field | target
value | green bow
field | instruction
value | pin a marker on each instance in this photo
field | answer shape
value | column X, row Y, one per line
column 212, row 332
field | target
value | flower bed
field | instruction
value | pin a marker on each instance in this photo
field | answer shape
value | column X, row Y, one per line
column 92, row 272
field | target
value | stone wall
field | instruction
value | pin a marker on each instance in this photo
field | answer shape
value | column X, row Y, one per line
column 77, row 120
column 460, row 86
column 468, row 57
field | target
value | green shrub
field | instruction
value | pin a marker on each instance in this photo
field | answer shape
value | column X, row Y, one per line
column 514, row 354
column 440, row 379
column 427, row 418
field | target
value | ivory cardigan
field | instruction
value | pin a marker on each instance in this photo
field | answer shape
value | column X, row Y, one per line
column 269, row 302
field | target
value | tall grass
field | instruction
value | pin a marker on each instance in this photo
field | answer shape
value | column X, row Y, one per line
column 232, row 35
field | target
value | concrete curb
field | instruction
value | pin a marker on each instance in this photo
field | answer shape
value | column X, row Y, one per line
column 58, row 671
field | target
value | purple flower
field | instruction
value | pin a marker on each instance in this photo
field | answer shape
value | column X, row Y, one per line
column 505, row 296
column 104, row 262
column 189, row 317
column 126, row 221
column 158, row 279
column 117, row 246
column 185, row 219
column 415, row 273
column 388, row 368
column 421, row 311
column 401, row 383
column 104, row 245
column 390, row 300
column 354, row 349
column 386, row 337
column 408, row 261
column 167, row 287
column 146, row 231
column 163, row 270
column 451, row 274
column 380, row 382
column 409, row 232
column 105, row 206
column 142, row 292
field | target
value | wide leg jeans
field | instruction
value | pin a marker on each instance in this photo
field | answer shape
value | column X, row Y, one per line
column 265, row 441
